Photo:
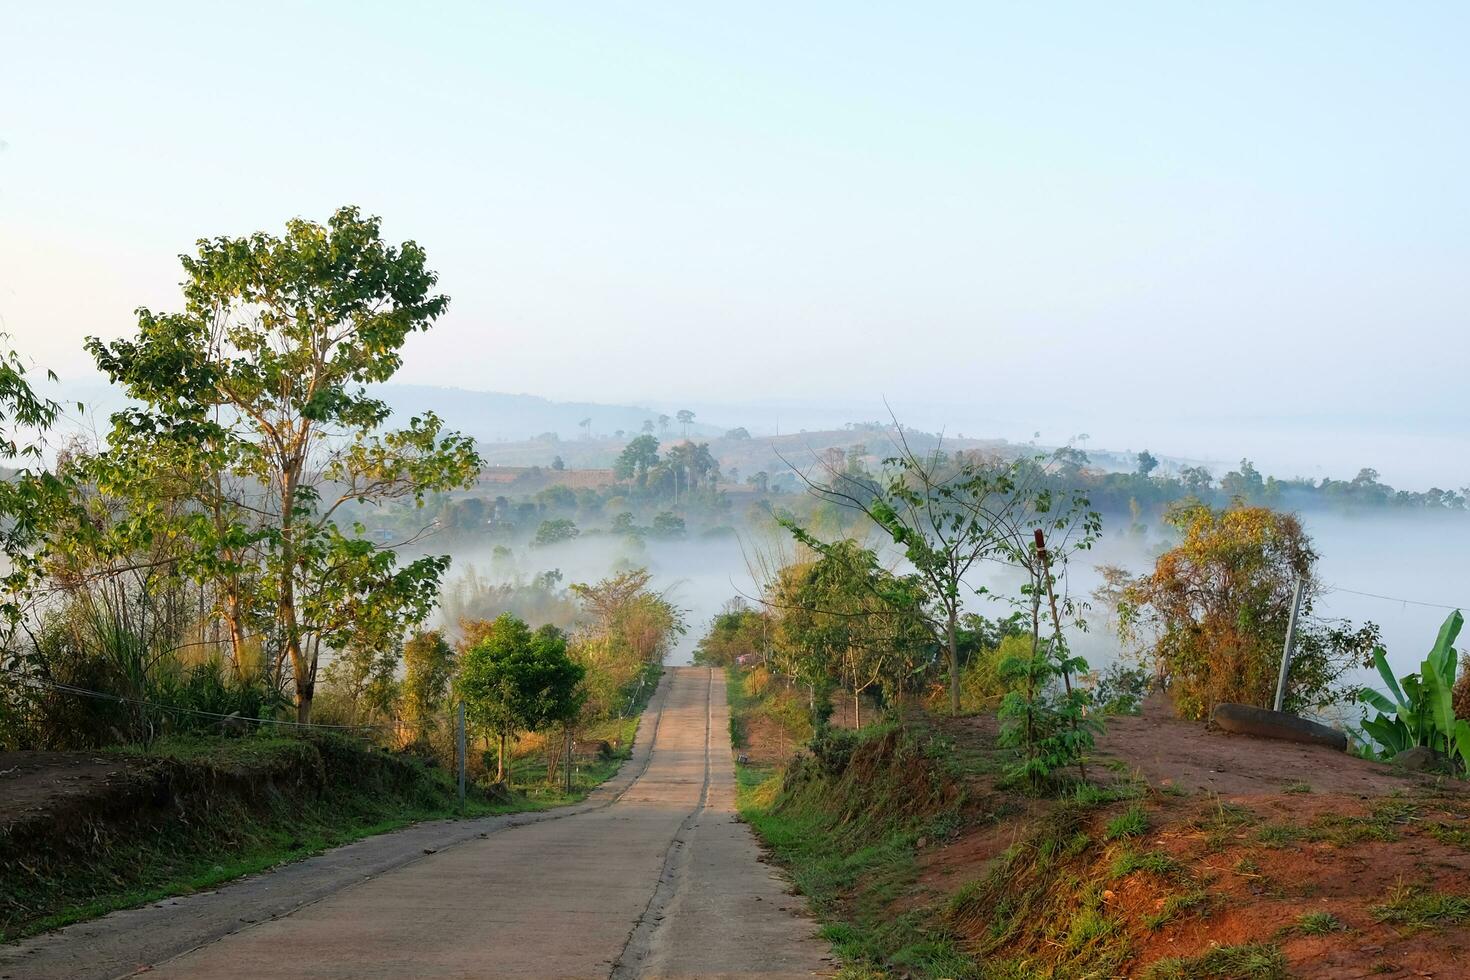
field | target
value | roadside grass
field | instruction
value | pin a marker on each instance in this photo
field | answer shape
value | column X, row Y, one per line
column 859, row 924
column 850, row 859
column 527, row 773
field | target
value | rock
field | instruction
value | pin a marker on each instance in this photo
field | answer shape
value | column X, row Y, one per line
column 1420, row 758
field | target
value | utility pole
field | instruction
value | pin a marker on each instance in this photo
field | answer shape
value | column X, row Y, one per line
column 568, row 730
column 1056, row 619
column 1296, row 608
column 460, row 746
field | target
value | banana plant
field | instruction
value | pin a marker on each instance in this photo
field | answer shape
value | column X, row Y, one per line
column 1421, row 710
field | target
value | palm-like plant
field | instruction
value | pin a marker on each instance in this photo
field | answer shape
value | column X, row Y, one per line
column 1421, row 708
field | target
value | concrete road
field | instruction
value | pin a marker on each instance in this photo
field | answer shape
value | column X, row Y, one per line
column 659, row 881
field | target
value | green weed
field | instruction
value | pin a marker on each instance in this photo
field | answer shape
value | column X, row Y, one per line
column 1133, row 822
column 1256, row 961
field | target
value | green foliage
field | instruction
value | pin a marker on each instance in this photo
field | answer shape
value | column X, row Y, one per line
column 736, row 631
column 555, row 531
column 513, row 679
column 949, row 514
column 845, row 620
column 30, row 498
column 1419, row 709
column 1050, row 727
column 1121, row 688
column 429, row 664
column 637, row 458
column 627, row 629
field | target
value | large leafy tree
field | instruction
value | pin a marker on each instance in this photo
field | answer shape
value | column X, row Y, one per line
column 637, row 457
column 514, row 679
column 255, row 391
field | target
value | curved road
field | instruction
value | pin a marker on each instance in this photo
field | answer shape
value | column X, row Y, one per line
column 659, row 880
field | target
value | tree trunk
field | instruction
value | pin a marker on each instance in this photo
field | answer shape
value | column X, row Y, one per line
column 237, row 638
column 500, row 761
column 857, row 717
column 954, row 663
column 300, row 668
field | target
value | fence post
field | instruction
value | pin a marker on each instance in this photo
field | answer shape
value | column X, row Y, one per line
column 460, row 746
column 1296, row 607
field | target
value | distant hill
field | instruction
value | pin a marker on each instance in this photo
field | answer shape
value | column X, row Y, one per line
column 488, row 416
column 493, row 416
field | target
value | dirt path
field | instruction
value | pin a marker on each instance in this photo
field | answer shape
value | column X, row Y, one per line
column 657, row 880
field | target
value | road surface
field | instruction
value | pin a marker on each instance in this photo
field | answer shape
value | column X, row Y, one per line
column 655, row 878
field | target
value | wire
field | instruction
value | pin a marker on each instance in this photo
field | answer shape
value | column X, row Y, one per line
column 1391, row 598
column 103, row 696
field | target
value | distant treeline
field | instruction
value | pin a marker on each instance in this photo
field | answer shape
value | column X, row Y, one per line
column 1149, row 491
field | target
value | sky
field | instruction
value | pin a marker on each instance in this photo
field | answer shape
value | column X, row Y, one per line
column 1213, row 230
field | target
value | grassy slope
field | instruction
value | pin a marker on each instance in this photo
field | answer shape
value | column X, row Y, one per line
column 849, row 858
column 856, row 834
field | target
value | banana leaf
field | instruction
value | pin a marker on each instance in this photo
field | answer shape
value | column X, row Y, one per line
column 1439, row 700
column 1389, row 732
column 1380, row 660
column 1443, row 654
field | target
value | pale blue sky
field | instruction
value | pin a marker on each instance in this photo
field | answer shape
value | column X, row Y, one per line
column 1166, row 224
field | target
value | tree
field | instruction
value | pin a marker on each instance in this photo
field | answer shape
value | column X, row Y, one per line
column 627, row 630
column 586, row 427
column 663, row 424
column 1147, row 463
column 736, row 631
column 555, row 532
column 739, row 433
column 695, row 462
column 514, row 680
column 668, row 525
column 1245, row 484
column 428, row 663
column 1212, row 614
column 685, row 417
column 558, row 464
column 30, row 497
column 637, row 457
column 846, row 620
column 947, row 514
column 1196, row 479
column 760, row 480
column 258, row 386
column 648, row 425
